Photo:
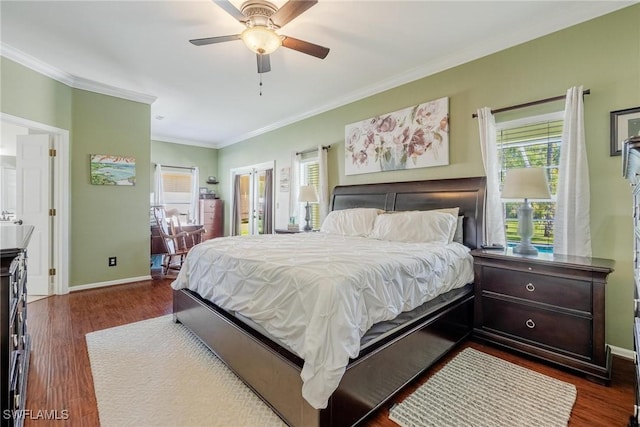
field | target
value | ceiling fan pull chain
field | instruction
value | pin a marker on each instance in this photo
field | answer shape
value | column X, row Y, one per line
column 260, row 85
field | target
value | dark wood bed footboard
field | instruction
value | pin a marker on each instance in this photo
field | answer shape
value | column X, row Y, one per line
column 369, row 381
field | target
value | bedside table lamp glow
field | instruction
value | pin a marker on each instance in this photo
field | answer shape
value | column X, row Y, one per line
column 308, row 194
column 525, row 183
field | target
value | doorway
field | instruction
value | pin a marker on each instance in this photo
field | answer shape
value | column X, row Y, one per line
column 252, row 200
column 52, row 260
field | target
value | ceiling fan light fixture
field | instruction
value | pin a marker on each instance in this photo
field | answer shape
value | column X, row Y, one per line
column 261, row 40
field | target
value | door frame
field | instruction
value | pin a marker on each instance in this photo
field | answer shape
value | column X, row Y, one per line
column 60, row 199
column 252, row 169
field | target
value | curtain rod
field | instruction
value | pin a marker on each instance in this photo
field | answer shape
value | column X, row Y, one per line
column 175, row 167
column 311, row 150
column 532, row 103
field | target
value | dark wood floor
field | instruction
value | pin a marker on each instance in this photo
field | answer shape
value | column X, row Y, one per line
column 60, row 374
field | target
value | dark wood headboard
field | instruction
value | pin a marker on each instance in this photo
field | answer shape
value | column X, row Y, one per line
column 466, row 193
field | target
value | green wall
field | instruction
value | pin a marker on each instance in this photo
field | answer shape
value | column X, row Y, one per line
column 603, row 55
column 105, row 221
column 30, row 95
column 109, row 220
column 205, row 159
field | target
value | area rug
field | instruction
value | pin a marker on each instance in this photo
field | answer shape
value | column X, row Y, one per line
column 477, row 389
column 157, row 373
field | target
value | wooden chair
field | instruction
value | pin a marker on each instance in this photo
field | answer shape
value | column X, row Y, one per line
column 177, row 240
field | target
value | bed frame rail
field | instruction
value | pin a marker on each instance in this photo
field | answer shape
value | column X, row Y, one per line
column 368, row 382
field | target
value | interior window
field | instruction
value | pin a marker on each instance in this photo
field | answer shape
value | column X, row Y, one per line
column 531, row 142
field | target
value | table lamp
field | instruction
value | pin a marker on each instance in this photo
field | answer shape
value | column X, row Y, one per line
column 308, row 194
column 525, row 183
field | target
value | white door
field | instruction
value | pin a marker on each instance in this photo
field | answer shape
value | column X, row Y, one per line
column 33, row 179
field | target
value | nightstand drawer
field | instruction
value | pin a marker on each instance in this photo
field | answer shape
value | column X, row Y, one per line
column 558, row 291
column 554, row 329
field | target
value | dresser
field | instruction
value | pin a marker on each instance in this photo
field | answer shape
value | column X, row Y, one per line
column 631, row 171
column 548, row 306
column 16, row 345
column 212, row 218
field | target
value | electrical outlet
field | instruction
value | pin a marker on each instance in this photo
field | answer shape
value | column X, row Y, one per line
column 112, row 261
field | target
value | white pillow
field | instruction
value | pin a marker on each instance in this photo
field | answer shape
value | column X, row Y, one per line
column 454, row 232
column 458, row 237
column 350, row 222
column 415, row 227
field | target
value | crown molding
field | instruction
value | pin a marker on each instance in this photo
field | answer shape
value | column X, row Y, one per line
column 70, row 80
column 171, row 140
column 93, row 86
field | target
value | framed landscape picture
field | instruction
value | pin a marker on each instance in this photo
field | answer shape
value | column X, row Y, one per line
column 624, row 125
column 112, row 170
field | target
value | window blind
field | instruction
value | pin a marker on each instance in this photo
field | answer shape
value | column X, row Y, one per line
column 531, row 145
column 535, row 144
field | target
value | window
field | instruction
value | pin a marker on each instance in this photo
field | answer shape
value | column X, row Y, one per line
column 177, row 191
column 534, row 142
column 310, row 175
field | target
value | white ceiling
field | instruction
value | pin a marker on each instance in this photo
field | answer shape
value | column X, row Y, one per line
column 209, row 95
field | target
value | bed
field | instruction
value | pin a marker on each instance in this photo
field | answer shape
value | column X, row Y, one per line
column 392, row 353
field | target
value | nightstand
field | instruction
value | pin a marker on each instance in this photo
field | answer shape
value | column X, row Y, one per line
column 548, row 306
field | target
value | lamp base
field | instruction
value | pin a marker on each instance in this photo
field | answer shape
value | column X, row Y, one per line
column 525, row 230
column 307, row 218
column 525, row 249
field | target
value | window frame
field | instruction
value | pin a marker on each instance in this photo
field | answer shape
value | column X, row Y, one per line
column 514, row 124
column 170, row 203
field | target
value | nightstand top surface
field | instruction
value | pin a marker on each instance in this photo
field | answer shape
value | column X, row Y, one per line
column 601, row 264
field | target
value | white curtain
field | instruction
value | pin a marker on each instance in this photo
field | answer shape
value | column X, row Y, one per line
column 294, row 185
column 323, row 184
column 493, row 212
column 572, row 232
column 195, row 194
column 158, row 195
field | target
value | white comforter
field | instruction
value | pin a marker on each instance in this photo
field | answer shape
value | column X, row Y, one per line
column 319, row 293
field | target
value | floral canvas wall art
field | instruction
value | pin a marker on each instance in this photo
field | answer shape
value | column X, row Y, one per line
column 415, row 137
column 112, row 170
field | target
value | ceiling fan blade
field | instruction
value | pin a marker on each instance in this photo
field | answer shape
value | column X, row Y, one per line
column 264, row 63
column 212, row 40
column 231, row 9
column 305, row 47
column 291, row 10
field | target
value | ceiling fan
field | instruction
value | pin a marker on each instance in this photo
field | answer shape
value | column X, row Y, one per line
column 262, row 19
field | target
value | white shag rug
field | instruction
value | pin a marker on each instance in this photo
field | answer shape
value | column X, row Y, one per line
column 477, row 389
column 156, row 373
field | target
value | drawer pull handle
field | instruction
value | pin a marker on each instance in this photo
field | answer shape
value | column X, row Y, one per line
column 530, row 324
column 16, row 401
column 530, row 287
column 15, row 341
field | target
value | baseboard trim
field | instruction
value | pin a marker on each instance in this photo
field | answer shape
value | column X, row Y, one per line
column 622, row 352
column 108, row 283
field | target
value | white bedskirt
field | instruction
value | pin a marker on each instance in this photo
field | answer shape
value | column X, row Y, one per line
column 319, row 293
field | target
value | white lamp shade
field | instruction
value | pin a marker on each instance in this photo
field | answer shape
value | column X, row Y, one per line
column 261, row 40
column 308, row 193
column 526, row 183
